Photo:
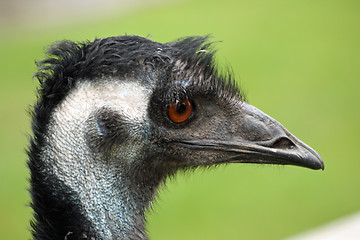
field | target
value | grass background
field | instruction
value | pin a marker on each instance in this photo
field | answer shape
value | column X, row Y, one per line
column 299, row 61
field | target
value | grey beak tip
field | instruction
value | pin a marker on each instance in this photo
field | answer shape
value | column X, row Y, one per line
column 322, row 165
column 318, row 160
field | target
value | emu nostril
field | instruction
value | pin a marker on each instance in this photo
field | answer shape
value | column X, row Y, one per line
column 283, row 143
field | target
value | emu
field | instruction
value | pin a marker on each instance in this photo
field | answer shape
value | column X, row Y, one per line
column 115, row 117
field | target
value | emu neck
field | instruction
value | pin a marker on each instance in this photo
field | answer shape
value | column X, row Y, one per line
column 93, row 202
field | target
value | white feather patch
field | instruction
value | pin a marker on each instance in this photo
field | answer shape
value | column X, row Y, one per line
column 129, row 99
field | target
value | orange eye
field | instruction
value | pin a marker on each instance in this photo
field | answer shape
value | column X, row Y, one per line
column 180, row 111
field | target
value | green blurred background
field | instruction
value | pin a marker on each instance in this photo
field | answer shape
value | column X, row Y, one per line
column 297, row 60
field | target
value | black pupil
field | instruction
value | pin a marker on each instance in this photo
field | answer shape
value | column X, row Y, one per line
column 180, row 108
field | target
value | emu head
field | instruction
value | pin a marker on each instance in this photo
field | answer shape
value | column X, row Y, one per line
column 116, row 116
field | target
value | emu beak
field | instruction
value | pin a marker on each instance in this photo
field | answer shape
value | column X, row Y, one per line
column 261, row 139
column 276, row 144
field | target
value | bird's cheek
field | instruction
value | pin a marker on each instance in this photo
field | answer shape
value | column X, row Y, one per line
column 189, row 157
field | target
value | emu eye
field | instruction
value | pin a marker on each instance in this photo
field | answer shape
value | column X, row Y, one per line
column 180, row 111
